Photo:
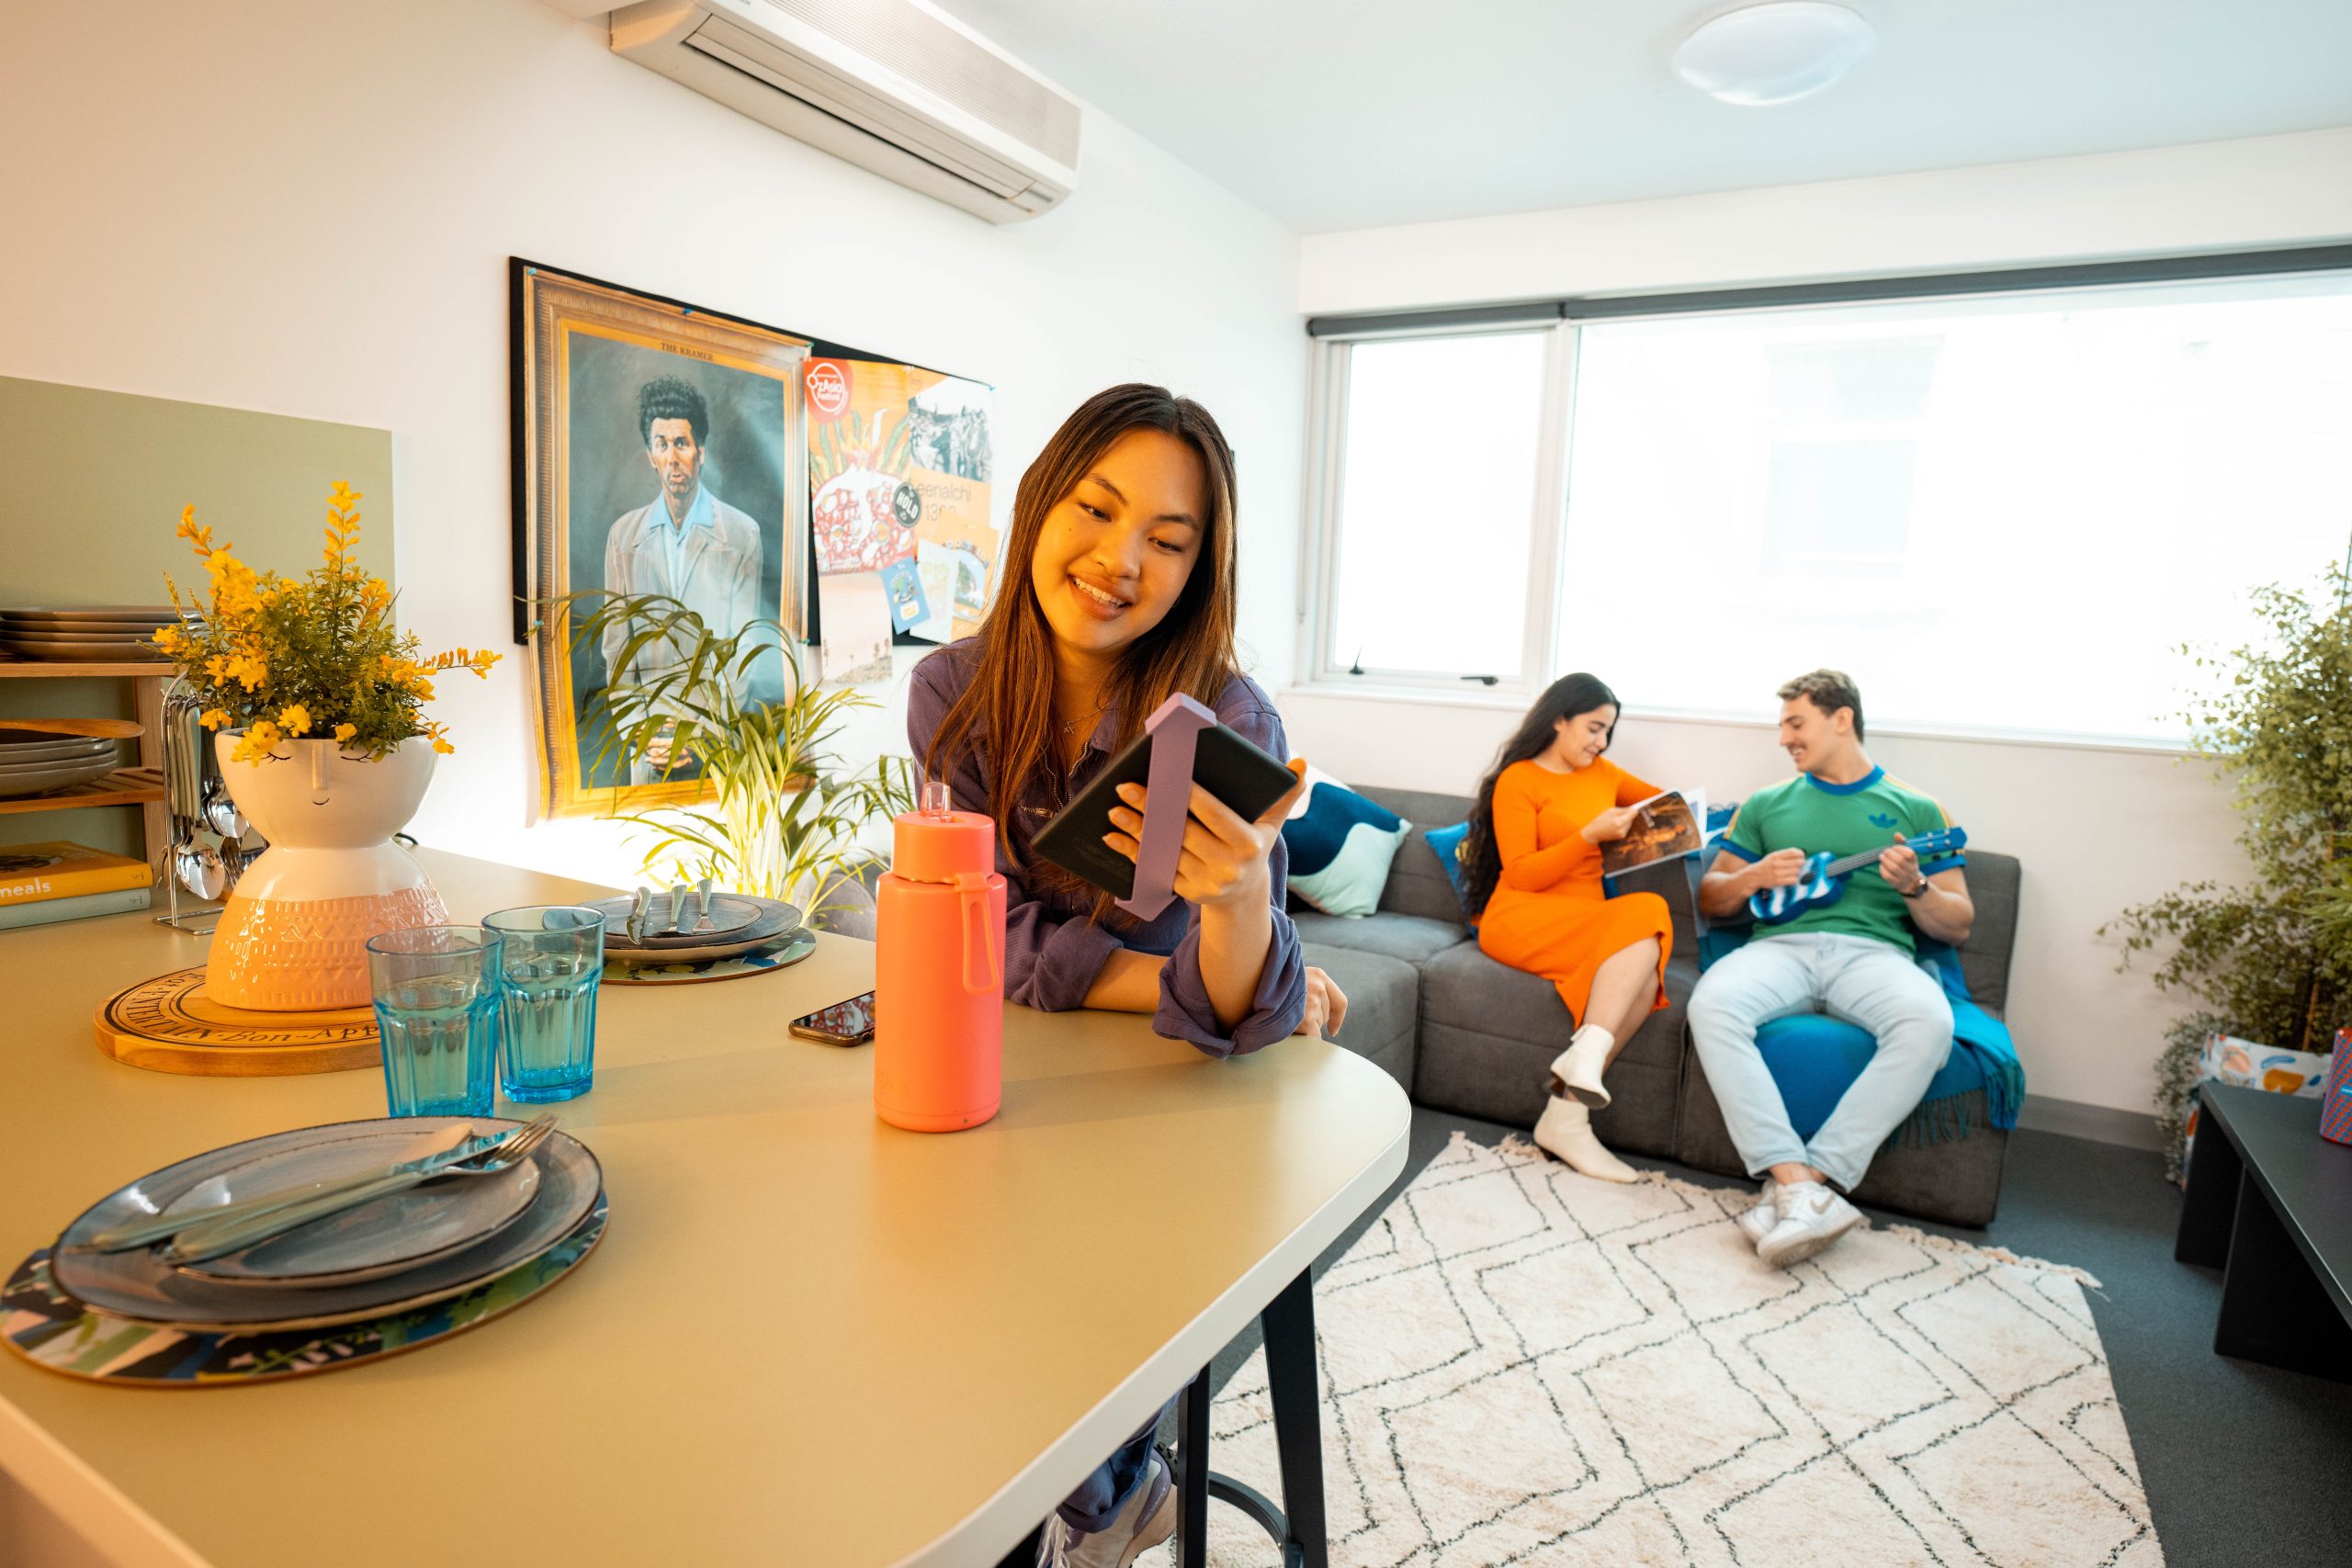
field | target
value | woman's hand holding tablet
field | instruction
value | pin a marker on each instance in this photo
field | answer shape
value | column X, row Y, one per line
column 1224, row 857
column 1255, row 790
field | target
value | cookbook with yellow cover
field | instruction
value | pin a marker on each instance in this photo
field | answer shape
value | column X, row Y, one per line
column 32, row 873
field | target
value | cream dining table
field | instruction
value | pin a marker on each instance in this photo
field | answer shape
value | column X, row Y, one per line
column 805, row 1337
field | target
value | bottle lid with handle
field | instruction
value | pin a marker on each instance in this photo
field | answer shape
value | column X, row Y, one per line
column 936, row 842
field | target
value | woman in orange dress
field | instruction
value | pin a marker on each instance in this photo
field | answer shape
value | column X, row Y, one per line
column 1533, row 882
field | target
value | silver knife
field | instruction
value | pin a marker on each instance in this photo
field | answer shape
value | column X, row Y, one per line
column 217, row 1234
column 156, row 1227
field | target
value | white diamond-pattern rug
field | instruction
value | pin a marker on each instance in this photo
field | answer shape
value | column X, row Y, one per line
column 1521, row 1365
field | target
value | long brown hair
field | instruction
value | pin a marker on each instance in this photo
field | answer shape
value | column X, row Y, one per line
column 1482, row 862
column 1009, row 705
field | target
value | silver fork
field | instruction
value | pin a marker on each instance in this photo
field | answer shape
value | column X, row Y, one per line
column 215, row 1235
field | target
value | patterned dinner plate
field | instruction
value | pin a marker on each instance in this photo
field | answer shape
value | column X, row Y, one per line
column 50, row 1328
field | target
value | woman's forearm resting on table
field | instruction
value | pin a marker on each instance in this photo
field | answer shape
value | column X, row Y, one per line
column 1129, row 982
column 1235, row 943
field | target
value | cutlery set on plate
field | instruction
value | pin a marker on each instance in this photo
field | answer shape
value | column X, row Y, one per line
column 689, row 924
column 331, row 1225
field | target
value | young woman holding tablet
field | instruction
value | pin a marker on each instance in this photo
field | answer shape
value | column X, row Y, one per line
column 1118, row 592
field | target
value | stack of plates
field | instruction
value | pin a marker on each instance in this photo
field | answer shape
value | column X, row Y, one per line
column 34, row 763
column 90, row 634
column 393, row 1254
column 736, row 924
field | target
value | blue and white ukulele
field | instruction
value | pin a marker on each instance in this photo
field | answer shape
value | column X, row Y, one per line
column 1823, row 881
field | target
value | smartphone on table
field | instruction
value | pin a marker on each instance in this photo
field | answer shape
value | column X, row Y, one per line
column 843, row 1023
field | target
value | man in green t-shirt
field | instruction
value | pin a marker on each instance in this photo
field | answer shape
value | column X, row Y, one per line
column 1854, row 959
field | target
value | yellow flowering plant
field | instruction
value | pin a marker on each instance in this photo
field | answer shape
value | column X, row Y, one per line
column 317, row 657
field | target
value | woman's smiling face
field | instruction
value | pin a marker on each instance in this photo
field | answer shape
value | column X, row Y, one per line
column 1115, row 554
column 1580, row 740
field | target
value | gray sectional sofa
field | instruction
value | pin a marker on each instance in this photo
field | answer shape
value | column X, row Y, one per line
column 1467, row 1035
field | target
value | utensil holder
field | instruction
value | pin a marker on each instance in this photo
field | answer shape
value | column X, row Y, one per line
column 183, row 766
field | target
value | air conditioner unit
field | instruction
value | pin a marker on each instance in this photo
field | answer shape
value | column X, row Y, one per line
column 896, row 86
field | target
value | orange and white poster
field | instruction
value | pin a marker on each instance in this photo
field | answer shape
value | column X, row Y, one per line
column 899, row 483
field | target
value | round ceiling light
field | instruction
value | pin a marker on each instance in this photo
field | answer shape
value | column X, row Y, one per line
column 1771, row 53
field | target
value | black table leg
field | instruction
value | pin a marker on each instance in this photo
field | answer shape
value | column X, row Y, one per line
column 1192, row 1474
column 1289, row 1321
column 2212, row 1201
column 2273, row 1309
column 1289, row 1324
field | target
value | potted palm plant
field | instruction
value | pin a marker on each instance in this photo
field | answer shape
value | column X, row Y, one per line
column 2269, row 959
column 776, row 819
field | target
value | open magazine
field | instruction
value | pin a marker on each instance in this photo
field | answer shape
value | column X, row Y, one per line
column 1664, row 827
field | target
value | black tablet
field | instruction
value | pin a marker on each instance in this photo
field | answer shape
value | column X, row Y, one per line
column 1226, row 765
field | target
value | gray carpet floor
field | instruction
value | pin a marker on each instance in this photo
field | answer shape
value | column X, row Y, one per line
column 2242, row 1465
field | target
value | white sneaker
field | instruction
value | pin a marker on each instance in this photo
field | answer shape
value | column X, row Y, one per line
column 1757, row 1222
column 1564, row 1132
column 1148, row 1518
column 1810, row 1217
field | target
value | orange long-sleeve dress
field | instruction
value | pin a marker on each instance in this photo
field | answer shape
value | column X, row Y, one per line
column 1548, row 914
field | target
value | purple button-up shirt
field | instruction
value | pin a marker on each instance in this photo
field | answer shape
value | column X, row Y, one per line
column 1053, row 949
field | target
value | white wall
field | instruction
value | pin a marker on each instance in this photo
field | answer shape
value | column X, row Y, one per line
column 2261, row 192
column 2097, row 829
column 307, row 208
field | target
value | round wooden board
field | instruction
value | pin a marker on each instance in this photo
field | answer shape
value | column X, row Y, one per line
column 170, row 1025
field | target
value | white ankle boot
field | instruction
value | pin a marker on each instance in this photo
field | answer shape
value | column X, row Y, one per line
column 1576, row 1072
column 1564, row 1132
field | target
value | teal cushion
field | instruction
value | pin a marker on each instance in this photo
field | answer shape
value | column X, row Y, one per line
column 1339, row 845
column 1814, row 1059
column 1447, row 843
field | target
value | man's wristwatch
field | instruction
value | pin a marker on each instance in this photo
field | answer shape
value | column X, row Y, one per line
column 1922, row 888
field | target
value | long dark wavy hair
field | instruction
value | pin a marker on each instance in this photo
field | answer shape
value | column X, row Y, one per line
column 1008, row 709
column 1482, row 864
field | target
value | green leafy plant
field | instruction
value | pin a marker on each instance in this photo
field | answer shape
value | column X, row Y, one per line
column 274, row 659
column 2271, row 959
column 776, row 820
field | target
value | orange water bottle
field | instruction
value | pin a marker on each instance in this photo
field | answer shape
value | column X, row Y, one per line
column 939, row 970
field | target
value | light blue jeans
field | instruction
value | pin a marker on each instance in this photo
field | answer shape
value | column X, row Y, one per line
column 1866, row 982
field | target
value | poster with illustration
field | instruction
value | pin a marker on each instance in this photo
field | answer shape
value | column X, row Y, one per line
column 899, row 478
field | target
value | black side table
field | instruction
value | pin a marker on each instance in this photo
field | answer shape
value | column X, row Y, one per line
column 2269, row 1202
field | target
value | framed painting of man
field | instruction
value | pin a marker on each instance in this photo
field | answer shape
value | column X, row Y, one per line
column 658, row 449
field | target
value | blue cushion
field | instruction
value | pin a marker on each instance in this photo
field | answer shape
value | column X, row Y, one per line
column 1339, row 846
column 1814, row 1059
column 1447, row 843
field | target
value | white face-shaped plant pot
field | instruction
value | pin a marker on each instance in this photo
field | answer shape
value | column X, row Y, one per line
column 294, row 934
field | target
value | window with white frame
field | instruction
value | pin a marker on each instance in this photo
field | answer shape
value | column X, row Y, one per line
column 1436, row 488
column 2001, row 514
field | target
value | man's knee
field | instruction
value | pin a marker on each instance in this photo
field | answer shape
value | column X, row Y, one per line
column 1925, row 1034
column 1717, row 1012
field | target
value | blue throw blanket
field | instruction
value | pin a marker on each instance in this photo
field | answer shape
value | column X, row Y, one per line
column 1814, row 1059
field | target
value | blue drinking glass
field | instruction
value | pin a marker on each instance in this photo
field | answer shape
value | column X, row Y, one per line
column 550, row 958
column 436, row 989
